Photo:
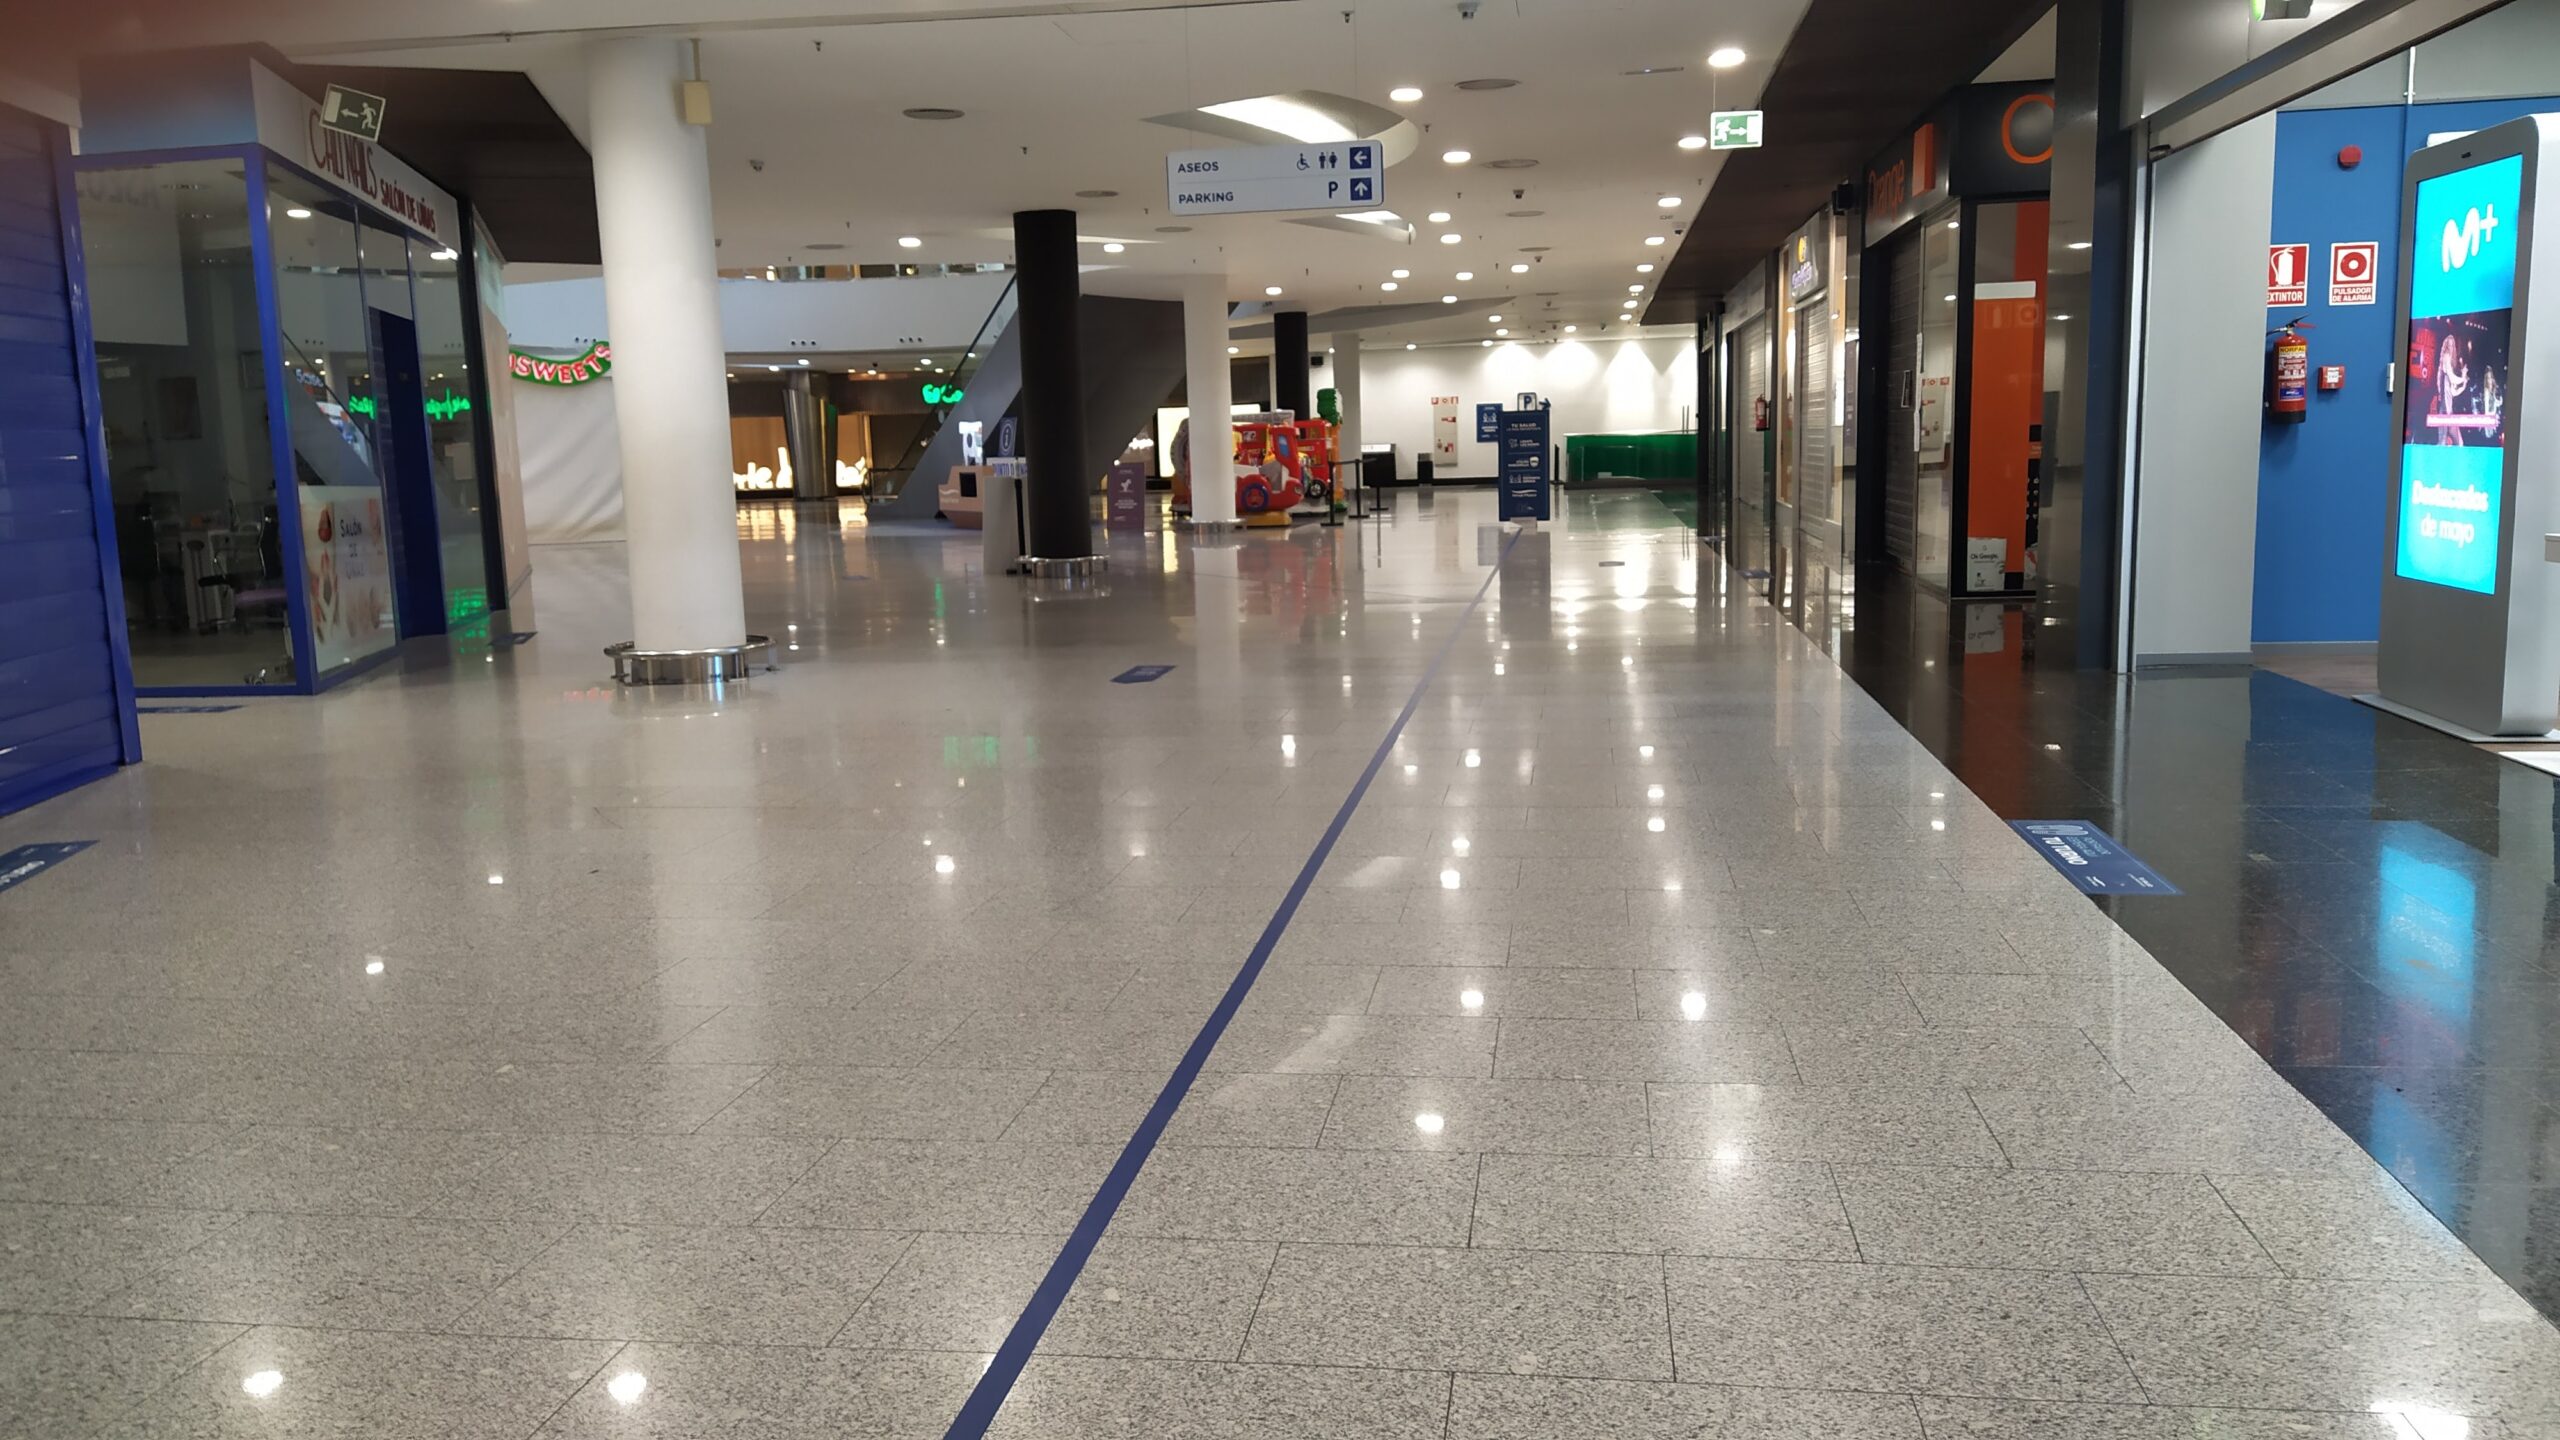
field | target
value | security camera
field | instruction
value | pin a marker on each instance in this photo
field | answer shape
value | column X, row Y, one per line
column 1519, row 194
column 1467, row 8
column 756, row 165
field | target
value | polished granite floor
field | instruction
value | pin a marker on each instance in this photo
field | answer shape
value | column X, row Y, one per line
column 1667, row 1043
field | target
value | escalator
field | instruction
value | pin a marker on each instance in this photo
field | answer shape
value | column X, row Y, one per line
column 1132, row 359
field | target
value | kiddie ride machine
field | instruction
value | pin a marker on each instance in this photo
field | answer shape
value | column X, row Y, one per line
column 1283, row 465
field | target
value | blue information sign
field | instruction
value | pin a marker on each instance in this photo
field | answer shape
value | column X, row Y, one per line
column 1522, row 482
column 1489, row 423
column 1141, row 674
column 25, row 863
column 2092, row 858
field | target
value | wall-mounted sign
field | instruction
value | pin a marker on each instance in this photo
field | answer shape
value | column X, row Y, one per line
column 1489, row 422
column 1805, row 256
column 1733, row 130
column 937, row 393
column 353, row 112
column 541, row 370
column 2288, row 275
column 2351, row 271
column 1986, row 140
column 1276, row 177
column 289, row 123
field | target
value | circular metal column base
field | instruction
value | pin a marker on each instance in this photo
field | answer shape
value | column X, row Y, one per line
column 1072, row 568
column 635, row 666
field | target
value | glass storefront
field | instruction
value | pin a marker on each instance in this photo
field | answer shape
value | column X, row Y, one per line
column 173, row 289
column 254, row 323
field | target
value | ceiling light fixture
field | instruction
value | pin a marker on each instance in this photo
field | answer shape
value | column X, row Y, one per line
column 1519, row 267
column 1668, row 202
column 1693, row 142
column 1235, row 349
column 1452, row 238
column 1501, row 332
column 1097, row 194
column 1635, row 289
column 910, row 242
column 1270, row 289
column 297, row 213
column 1645, row 269
column 1114, row 248
column 1457, row 157
column 1405, row 94
column 1653, row 239
column 1439, row 217
column 2075, row 245
column 1409, row 345
column 1281, row 115
column 1725, row 57
column 1401, row 274
column 1493, row 319
column 1388, row 285
column 1466, row 275
column 1569, row 329
column 1448, row 299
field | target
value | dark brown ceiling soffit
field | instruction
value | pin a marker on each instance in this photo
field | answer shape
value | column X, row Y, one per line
column 491, row 137
column 1855, row 74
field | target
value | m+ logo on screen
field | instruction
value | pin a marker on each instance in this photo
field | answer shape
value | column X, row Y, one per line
column 2463, row 241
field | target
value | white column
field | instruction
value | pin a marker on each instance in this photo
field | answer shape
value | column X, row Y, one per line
column 1211, row 387
column 1346, row 385
column 662, row 312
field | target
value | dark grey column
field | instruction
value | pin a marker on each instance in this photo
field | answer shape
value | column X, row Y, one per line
column 805, row 435
column 1058, row 499
column 1289, row 364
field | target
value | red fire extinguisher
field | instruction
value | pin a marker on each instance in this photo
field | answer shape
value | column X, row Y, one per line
column 1759, row 412
column 2289, row 373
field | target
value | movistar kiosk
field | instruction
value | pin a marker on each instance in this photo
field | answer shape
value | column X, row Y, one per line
column 2470, row 641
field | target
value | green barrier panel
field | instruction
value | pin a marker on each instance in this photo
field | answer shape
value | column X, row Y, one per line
column 1671, row 455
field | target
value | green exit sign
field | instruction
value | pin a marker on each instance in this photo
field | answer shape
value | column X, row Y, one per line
column 1734, row 130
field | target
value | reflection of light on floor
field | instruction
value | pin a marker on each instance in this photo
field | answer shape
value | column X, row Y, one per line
column 2546, row 761
column 2419, row 1422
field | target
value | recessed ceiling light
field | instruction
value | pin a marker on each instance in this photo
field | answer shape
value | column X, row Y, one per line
column 1635, row 289
column 1466, row 275
column 910, row 242
column 1493, row 319
column 1693, row 142
column 932, row 112
column 1451, row 238
column 1488, row 344
column 1519, row 267
column 1439, row 217
column 1405, row 94
column 1725, row 57
column 2061, row 317
column 1457, row 157
column 1387, row 285
column 1409, row 345
column 1487, row 84
column 297, row 213
column 1270, row 289
column 1097, row 194
column 1569, row 329
column 1448, row 299
column 1653, row 239
column 1235, row 349
column 1501, row 332
column 1114, row 248
column 1645, row 269
column 1955, row 224
column 1401, row 274
column 1630, row 305
column 2079, row 245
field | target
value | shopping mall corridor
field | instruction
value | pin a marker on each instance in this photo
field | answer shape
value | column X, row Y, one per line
column 1646, row 1037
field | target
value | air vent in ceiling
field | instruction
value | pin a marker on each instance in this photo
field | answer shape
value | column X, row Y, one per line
column 1173, row 229
column 932, row 112
column 1515, row 163
column 1490, row 84
column 1097, row 194
column 1522, row 214
column 822, row 245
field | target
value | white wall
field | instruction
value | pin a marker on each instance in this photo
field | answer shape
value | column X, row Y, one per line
column 2203, row 386
column 1608, row 385
column 764, row 317
column 570, row 455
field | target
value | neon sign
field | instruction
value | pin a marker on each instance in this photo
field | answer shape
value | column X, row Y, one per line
column 541, row 370
column 936, row 393
column 439, row 408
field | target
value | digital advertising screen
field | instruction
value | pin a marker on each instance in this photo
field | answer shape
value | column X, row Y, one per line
column 2462, row 291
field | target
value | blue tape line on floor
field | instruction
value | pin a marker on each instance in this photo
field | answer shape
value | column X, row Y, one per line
column 25, row 863
column 2092, row 858
column 979, row 1412
column 1141, row 674
column 184, row 709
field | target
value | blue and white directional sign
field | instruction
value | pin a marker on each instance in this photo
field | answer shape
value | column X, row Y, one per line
column 2092, row 858
column 1345, row 176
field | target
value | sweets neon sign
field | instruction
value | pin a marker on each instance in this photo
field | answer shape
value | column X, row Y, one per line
column 542, row 370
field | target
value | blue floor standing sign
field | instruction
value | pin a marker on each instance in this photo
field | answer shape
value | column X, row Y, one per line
column 1141, row 674
column 1524, row 493
column 2092, row 858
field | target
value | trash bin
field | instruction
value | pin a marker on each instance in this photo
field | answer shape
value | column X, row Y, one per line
column 1421, row 469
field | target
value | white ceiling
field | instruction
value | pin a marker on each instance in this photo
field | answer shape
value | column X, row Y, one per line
column 1057, row 102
